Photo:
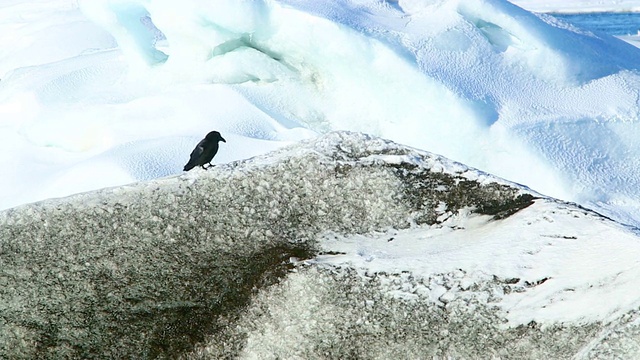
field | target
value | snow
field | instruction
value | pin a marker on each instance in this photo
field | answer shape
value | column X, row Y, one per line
column 103, row 93
column 561, row 246
column 95, row 86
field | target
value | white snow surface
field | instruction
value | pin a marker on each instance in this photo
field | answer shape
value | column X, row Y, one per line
column 105, row 92
column 584, row 268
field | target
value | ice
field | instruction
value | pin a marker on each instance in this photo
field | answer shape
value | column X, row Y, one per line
column 202, row 263
column 460, row 264
column 484, row 82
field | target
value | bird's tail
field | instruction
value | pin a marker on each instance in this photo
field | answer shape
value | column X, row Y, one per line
column 188, row 167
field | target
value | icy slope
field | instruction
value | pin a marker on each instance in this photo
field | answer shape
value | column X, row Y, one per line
column 343, row 246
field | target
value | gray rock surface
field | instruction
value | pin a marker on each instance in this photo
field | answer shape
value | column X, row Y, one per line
column 210, row 265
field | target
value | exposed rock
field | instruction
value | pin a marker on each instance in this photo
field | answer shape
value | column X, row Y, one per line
column 186, row 265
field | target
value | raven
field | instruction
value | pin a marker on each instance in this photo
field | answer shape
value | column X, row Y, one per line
column 204, row 151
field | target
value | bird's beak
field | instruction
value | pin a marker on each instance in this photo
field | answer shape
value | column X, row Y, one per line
column 221, row 138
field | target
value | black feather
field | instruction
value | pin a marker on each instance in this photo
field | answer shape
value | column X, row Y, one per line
column 204, row 151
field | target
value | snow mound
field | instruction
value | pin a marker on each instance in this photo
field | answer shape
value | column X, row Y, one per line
column 341, row 245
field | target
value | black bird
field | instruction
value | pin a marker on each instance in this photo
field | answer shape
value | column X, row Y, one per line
column 204, row 151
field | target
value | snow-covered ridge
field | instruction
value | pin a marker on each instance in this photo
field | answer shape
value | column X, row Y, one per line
column 344, row 245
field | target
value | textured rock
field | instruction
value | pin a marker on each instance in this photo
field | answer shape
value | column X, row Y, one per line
column 192, row 265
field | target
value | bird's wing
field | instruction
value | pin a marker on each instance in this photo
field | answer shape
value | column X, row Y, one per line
column 195, row 155
column 197, row 152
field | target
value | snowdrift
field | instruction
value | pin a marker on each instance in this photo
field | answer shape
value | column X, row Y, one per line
column 345, row 246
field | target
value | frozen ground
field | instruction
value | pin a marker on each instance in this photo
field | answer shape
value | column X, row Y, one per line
column 112, row 92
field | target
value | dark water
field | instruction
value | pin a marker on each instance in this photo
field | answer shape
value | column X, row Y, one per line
column 610, row 23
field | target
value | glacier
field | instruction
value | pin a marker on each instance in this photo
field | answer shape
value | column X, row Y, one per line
column 347, row 245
